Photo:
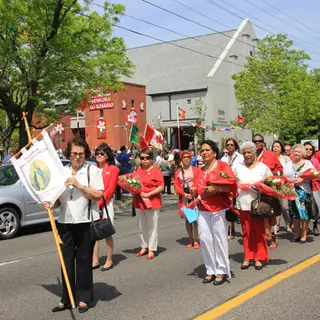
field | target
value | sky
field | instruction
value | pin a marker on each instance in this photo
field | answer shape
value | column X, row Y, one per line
column 299, row 19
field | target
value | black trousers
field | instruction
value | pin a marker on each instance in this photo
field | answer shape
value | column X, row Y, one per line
column 167, row 184
column 77, row 250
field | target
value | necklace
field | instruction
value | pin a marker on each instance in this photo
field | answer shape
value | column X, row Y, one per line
column 212, row 166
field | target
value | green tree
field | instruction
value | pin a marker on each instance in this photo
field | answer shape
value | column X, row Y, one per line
column 53, row 50
column 199, row 110
column 277, row 92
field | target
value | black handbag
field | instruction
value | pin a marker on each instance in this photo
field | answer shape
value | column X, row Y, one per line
column 265, row 206
column 103, row 228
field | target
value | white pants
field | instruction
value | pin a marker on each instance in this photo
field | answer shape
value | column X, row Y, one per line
column 148, row 224
column 110, row 210
column 213, row 236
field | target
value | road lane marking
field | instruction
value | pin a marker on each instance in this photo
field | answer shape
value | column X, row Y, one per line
column 254, row 291
column 14, row 261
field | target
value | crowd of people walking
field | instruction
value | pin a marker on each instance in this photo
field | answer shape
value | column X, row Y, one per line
column 92, row 190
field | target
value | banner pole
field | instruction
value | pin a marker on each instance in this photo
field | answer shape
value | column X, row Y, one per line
column 54, row 229
column 178, row 120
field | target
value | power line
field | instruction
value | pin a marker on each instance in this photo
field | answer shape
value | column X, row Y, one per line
column 190, row 20
column 193, row 21
column 287, row 23
column 285, row 14
column 177, row 45
column 258, row 26
column 181, row 34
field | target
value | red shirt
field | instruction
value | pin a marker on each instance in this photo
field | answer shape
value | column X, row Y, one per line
column 150, row 180
column 271, row 160
column 317, row 155
column 110, row 175
column 221, row 200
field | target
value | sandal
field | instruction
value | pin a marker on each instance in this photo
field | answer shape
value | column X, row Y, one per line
column 315, row 232
column 150, row 255
column 245, row 265
column 209, row 278
column 142, row 252
column 258, row 265
column 220, row 279
column 189, row 245
column 61, row 307
column 196, row 245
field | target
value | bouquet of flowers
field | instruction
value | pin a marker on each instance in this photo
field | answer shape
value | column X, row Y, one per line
column 219, row 177
column 131, row 182
column 277, row 186
column 310, row 174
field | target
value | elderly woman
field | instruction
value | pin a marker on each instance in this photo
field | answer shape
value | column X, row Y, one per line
column 183, row 183
column 212, row 223
column 152, row 185
column 299, row 207
column 253, row 229
column 74, row 223
column 110, row 174
column 232, row 158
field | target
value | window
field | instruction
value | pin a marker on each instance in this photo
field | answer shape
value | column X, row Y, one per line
column 132, row 103
column 101, row 113
column 251, row 53
column 245, row 35
column 189, row 101
column 234, row 56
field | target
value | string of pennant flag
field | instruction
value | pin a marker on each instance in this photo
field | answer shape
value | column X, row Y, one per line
column 213, row 127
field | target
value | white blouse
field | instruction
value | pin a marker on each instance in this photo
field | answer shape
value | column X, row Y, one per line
column 232, row 161
column 251, row 176
column 291, row 172
column 73, row 203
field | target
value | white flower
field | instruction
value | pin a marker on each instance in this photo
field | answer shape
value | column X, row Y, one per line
column 101, row 126
column 59, row 128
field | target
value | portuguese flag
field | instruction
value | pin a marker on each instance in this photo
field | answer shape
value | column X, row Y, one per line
column 134, row 134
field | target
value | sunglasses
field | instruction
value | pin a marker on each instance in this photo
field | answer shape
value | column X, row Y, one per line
column 309, row 149
column 102, row 154
column 145, row 158
column 75, row 154
column 257, row 141
column 186, row 157
column 230, row 145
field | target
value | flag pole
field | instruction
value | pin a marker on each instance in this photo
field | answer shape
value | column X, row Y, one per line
column 178, row 121
column 54, row 229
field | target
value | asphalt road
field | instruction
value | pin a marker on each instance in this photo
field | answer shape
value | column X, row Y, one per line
column 168, row 287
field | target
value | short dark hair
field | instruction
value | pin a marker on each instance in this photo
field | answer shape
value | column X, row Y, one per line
column 309, row 143
column 258, row 135
column 78, row 142
column 146, row 151
column 281, row 146
column 123, row 148
column 234, row 141
column 213, row 145
column 104, row 147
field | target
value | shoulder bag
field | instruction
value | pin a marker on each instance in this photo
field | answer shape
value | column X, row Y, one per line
column 102, row 228
column 265, row 206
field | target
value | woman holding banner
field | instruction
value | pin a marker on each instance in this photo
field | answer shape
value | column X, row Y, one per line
column 84, row 183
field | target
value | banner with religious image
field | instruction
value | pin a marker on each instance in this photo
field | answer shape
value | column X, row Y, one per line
column 41, row 171
column 101, row 129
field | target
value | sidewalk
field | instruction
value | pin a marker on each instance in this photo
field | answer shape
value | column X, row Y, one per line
column 124, row 207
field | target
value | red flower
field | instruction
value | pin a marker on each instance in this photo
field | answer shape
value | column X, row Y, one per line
column 278, row 184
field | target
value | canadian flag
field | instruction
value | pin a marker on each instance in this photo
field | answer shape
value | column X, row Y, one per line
column 153, row 137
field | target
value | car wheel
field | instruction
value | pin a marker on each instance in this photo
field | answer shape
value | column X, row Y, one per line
column 9, row 223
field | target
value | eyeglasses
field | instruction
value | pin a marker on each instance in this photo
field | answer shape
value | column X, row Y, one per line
column 186, row 157
column 144, row 158
column 102, row 154
column 75, row 154
column 257, row 141
column 309, row 149
column 230, row 145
